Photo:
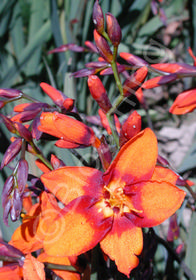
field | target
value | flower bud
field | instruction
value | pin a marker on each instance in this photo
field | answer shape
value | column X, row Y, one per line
column 133, row 59
column 17, row 206
column 91, row 46
column 22, row 174
column 68, row 104
column 56, row 162
column 103, row 47
column 10, row 93
column 113, row 29
column 8, row 123
column 130, row 128
column 134, row 81
column 7, row 189
column 99, row 93
column 11, row 152
column 23, row 131
column 98, row 18
column 104, row 153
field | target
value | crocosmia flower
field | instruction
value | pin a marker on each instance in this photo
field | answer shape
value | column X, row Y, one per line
column 112, row 207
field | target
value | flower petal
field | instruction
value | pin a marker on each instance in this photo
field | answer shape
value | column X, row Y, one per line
column 24, row 237
column 157, row 199
column 33, row 269
column 68, row 183
column 83, row 222
column 164, row 174
column 10, row 272
column 136, row 159
column 184, row 103
column 123, row 244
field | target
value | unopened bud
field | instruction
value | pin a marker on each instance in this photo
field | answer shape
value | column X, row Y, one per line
column 10, row 93
column 98, row 18
column 99, row 93
column 11, row 152
column 7, row 189
column 103, row 47
column 17, row 206
column 134, row 81
column 104, row 153
column 56, row 162
column 68, row 104
column 23, row 131
column 8, row 123
column 130, row 128
column 22, row 174
column 113, row 29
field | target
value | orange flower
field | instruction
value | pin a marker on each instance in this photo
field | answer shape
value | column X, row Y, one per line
column 111, row 207
column 72, row 133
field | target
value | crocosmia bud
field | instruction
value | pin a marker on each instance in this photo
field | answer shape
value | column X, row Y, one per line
column 103, row 47
column 98, row 18
column 113, row 29
column 98, row 92
column 130, row 128
column 134, row 81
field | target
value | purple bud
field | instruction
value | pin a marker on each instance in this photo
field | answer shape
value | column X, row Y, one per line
column 91, row 46
column 96, row 64
column 7, row 189
column 104, row 153
column 8, row 123
column 83, row 73
column 103, row 47
column 10, row 93
column 11, row 152
column 22, row 174
column 23, row 131
column 6, row 211
column 66, row 47
column 9, row 251
column 17, row 206
column 56, row 162
column 109, row 71
column 133, row 59
column 98, row 18
column 26, row 115
column 113, row 29
column 36, row 133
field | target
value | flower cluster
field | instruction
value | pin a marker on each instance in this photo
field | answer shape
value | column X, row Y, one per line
column 68, row 210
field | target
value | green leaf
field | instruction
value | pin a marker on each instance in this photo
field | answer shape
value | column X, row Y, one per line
column 15, row 69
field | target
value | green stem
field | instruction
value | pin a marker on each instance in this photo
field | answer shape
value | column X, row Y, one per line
column 115, row 71
column 40, row 156
column 105, row 35
column 61, row 267
column 112, row 125
column 29, row 98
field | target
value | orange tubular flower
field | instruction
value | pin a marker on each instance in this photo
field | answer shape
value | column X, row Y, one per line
column 72, row 133
column 184, row 103
column 111, row 207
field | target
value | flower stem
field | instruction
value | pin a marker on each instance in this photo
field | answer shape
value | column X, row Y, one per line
column 61, row 267
column 115, row 71
column 40, row 155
